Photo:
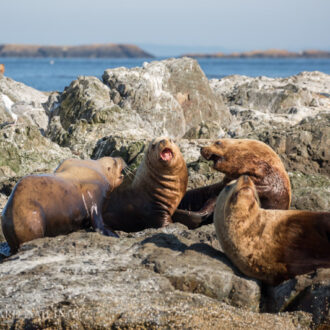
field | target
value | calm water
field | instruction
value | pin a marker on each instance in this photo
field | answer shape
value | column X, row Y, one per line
column 55, row 74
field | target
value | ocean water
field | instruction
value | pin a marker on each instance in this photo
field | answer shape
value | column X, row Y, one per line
column 48, row 74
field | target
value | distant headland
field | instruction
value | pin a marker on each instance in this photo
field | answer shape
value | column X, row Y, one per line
column 93, row 51
column 270, row 53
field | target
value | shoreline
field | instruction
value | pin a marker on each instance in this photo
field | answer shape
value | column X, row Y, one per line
column 271, row 53
column 85, row 51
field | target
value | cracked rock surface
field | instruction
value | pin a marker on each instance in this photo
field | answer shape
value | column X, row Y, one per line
column 169, row 277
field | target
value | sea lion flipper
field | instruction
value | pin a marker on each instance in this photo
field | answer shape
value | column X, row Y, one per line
column 189, row 218
column 197, row 206
column 308, row 244
column 197, row 199
column 98, row 224
column 193, row 219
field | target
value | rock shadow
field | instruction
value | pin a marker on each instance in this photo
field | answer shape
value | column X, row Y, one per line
column 170, row 241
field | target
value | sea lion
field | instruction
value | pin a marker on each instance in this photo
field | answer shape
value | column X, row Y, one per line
column 269, row 245
column 69, row 199
column 236, row 157
column 156, row 191
column 2, row 68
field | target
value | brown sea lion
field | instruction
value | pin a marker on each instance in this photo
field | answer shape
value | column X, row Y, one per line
column 156, row 191
column 70, row 199
column 270, row 245
column 236, row 157
column 2, row 68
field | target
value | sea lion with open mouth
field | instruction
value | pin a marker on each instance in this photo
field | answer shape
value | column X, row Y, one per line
column 269, row 245
column 236, row 157
column 157, row 189
column 69, row 199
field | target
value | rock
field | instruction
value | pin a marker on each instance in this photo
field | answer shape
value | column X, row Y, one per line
column 169, row 277
column 131, row 150
column 301, row 147
column 310, row 191
column 24, row 151
column 309, row 293
column 170, row 97
column 173, row 93
column 28, row 104
column 86, row 114
column 272, row 102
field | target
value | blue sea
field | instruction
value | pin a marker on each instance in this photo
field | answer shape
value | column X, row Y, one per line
column 49, row 74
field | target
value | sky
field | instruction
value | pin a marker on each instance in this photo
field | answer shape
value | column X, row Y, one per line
column 170, row 27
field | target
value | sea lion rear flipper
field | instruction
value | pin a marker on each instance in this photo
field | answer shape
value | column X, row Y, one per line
column 308, row 244
column 98, row 224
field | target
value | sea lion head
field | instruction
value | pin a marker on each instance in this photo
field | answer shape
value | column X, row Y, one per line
column 112, row 168
column 240, row 196
column 234, row 157
column 164, row 154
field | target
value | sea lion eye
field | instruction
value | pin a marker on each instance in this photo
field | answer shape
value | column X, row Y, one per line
column 218, row 143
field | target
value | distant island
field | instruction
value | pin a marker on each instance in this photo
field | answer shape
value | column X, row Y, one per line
column 92, row 51
column 270, row 53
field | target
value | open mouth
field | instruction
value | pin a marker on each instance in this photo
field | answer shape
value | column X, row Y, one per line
column 216, row 159
column 166, row 155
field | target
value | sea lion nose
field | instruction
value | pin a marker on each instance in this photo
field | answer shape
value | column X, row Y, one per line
column 246, row 179
column 163, row 141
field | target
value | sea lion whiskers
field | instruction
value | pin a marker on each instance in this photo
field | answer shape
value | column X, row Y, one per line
column 127, row 171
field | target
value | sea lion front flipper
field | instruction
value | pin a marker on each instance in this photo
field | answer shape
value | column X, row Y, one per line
column 194, row 219
column 197, row 205
column 98, row 224
column 189, row 218
column 197, row 199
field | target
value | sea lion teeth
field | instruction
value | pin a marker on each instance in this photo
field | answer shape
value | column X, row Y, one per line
column 216, row 160
column 166, row 154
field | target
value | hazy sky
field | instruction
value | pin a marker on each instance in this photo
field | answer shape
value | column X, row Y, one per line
column 170, row 25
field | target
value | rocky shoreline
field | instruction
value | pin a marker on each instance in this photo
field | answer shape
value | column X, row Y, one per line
column 169, row 277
